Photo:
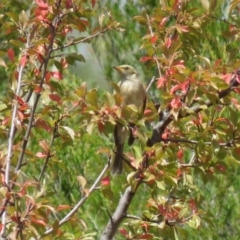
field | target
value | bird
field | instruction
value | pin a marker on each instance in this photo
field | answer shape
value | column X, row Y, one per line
column 132, row 91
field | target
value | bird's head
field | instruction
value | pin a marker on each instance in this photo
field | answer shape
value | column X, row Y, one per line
column 126, row 71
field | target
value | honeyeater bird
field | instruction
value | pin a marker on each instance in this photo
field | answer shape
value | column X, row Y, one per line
column 132, row 91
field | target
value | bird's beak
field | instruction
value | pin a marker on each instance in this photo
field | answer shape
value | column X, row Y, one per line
column 119, row 69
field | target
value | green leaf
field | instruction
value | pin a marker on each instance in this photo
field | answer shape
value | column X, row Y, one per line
column 73, row 57
column 23, row 17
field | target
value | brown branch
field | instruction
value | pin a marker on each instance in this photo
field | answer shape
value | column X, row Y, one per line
column 54, row 135
column 165, row 117
column 38, row 95
column 119, row 214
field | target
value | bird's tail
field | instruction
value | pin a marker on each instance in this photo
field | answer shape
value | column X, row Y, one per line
column 117, row 165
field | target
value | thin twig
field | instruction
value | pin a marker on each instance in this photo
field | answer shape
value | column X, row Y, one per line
column 83, row 39
column 80, row 203
column 52, row 140
column 31, row 119
column 10, row 143
column 150, row 83
column 227, row 144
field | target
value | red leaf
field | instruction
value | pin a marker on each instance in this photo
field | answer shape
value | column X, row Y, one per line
column 93, row 3
column 168, row 42
column 181, row 86
column 161, row 82
column 227, row 78
column 180, row 154
column 66, row 30
column 147, row 111
column 123, row 231
column 11, row 54
column 38, row 89
column 69, row 4
column 164, row 20
column 145, row 59
column 63, row 207
column 41, row 123
column 64, row 63
column 176, row 102
column 23, row 60
column 57, row 75
column 55, row 97
column 39, row 221
column 154, row 39
column 100, row 126
column 146, row 236
column 41, row 155
column 6, row 120
column 41, row 3
column 105, row 181
column 184, row 28
column 15, row 219
column 192, row 205
column 235, row 103
column 221, row 167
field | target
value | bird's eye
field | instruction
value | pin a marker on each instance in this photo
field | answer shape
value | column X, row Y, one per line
column 127, row 68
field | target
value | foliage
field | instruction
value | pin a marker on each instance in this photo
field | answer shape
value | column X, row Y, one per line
column 181, row 177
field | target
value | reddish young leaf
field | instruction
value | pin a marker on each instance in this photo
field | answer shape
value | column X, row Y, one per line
column 183, row 28
column 227, row 77
column 105, row 181
column 38, row 221
column 11, row 54
column 123, row 231
column 63, row 207
column 192, row 205
column 154, row 39
column 161, row 82
column 146, row 236
column 100, row 126
column 180, row 154
column 162, row 23
column 41, row 155
column 235, row 103
column 69, row 4
column 168, row 42
column 64, row 63
column 57, row 75
column 42, row 124
column 6, row 120
column 44, row 145
column 55, row 97
column 147, row 112
column 66, row 30
column 221, row 167
column 41, row 3
column 176, row 102
column 181, row 86
column 145, row 59
column 93, row 3
column 48, row 76
column 38, row 89
column 23, row 60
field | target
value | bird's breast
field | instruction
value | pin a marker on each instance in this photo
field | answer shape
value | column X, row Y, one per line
column 133, row 92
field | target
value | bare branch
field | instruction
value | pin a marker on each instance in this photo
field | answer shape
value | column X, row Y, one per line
column 119, row 213
column 80, row 203
column 84, row 39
